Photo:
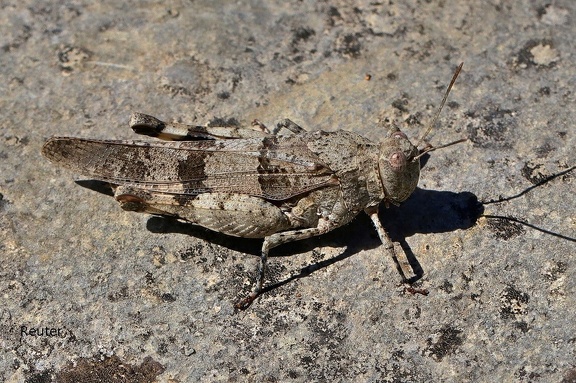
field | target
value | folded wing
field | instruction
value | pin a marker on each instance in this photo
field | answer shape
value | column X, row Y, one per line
column 275, row 168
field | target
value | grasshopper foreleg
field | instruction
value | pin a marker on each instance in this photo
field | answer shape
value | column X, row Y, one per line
column 403, row 263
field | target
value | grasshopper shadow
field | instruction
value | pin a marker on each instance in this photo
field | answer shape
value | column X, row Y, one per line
column 425, row 212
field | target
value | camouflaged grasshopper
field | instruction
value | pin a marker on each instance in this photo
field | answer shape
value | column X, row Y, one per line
column 252, row 183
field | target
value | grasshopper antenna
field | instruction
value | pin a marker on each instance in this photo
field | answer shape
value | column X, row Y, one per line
column 440, row 109
column 432, row 148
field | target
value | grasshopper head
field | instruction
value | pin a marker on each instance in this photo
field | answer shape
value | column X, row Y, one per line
column 399, row 161
column 399, row 167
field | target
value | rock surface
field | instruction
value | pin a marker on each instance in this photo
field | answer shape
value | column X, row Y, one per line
column 90, row 290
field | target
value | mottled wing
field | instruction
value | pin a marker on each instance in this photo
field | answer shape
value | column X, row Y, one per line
column 274, row 168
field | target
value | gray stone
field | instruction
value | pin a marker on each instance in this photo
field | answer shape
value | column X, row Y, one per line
column 155, row 296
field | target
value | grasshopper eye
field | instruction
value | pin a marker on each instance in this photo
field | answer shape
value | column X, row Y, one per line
column 399, row 134
column 397, row 161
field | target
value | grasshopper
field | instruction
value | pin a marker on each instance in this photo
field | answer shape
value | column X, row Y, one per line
column 252, row 183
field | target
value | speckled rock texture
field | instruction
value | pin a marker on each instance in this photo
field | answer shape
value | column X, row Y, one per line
column 91, row 293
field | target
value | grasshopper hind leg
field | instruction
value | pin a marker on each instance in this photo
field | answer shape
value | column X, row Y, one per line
column 233, row 214
column 238, row 215
column 272, row 241
column 290, row 125
column 172, row 131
